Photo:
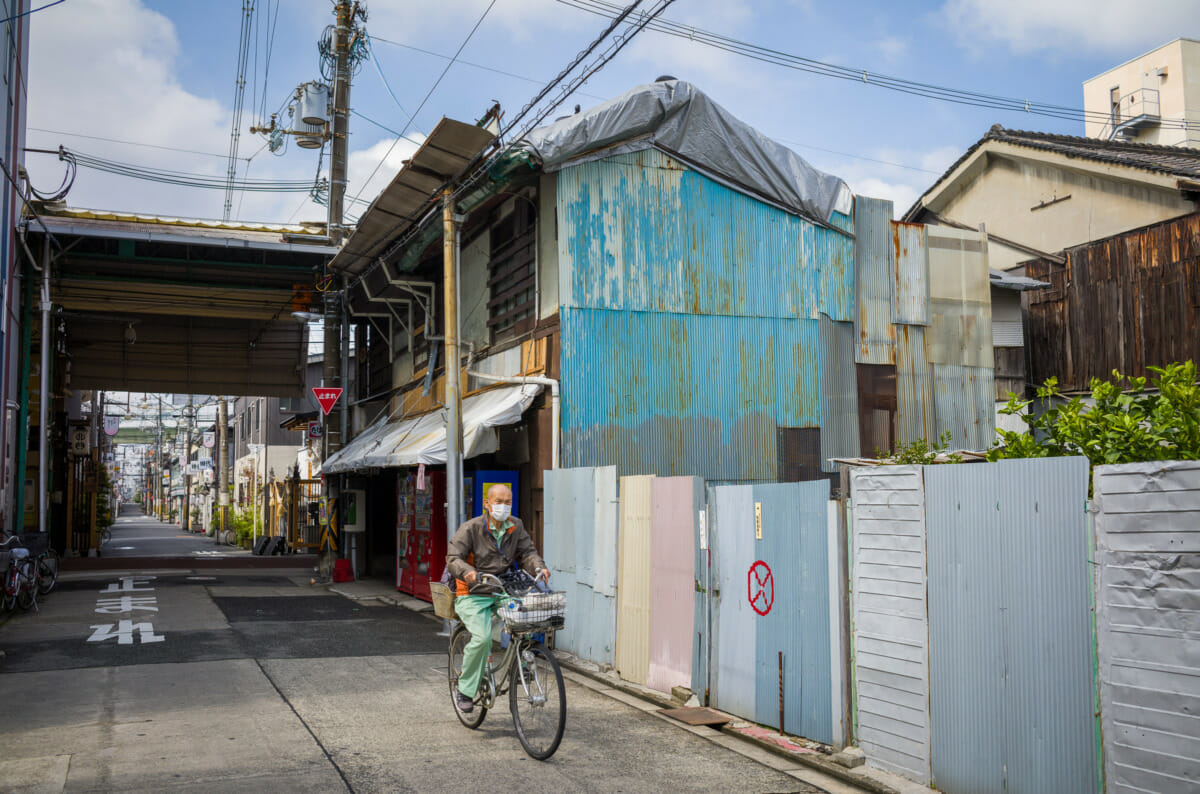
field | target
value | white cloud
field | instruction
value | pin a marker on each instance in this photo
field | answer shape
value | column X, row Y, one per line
column 363, row 163
column 522, row 21
column 890, row 179
column 122, row 85
column 1117, row 27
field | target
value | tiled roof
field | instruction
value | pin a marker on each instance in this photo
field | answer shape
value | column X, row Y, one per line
column 1178, row 161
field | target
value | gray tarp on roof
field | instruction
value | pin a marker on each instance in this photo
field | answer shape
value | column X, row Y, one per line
column 683, row 121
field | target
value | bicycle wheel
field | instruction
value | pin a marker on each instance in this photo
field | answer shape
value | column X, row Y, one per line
column 47, row 571
column 27, row 584
column 537, row 699
column 105, row 536
column 8, row 592
column 458, row 644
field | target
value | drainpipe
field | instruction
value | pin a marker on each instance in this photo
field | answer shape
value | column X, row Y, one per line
column 44, row 389
column 522, row 379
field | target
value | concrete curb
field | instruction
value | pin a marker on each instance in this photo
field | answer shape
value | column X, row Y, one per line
column 812, row 760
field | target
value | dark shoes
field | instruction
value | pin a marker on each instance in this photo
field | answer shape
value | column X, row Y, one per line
column 464, row 703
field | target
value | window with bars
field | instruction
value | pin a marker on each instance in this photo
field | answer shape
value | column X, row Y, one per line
column 511, row 278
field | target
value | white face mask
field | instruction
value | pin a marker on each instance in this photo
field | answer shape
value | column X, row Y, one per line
column 500, row 512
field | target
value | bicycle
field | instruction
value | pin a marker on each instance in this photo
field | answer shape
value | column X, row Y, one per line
column 45, row 560
column 19, row 586
column 528, row 672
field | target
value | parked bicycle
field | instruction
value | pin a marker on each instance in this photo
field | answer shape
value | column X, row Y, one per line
column 528, row 671
column 19, row 587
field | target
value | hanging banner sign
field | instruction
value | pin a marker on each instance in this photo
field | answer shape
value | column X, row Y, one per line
column 111, row 425
column 210, row 438
column 326, row 397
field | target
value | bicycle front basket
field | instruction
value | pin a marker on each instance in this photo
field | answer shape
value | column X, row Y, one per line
column 535, row 612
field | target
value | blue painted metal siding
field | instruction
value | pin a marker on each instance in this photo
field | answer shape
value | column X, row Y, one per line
column 746, row 645
column 674, row 394
column 580, row 544
column 1010, row 638
column 643, row 232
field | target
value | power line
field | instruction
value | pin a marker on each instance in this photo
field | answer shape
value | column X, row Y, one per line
column 812, row 66
column 239, row 98
column 31, row 11
column 130, row 143
column 493, row 69
column 428, row 94
column 180, row 178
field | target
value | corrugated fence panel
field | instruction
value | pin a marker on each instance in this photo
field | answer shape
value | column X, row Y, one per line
column 964, row 404
column 675, row 394
column 734, row 628
column 874, row 275
column 960, row 302
column 633, row 580
column 674, row 503
column 1011, row 690
column 642, row 232
column 795, row 628
column 581, row 521
column 914, row 386
column 889, row 624
column 910, row 293
column 839, row 393
column 1148, row 624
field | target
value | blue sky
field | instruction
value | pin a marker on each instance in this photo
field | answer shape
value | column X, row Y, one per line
column 162, row 72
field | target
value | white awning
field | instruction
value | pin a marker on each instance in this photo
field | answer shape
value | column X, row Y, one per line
column 422, row 439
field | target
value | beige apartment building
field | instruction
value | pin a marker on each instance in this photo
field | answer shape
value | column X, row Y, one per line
column 1154, row 98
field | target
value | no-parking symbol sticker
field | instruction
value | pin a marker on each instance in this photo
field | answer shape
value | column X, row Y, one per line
column 760, row 587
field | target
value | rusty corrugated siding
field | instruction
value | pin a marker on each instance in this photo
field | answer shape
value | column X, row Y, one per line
column 914, row 390
column 873, row 277
column 642, row 232
column 1127, row 302
column 839, row 393
column 910, row 293
column 667, row 394
column 963, row 399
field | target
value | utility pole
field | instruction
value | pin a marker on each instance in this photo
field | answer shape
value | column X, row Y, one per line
column 454, row 498
column 223, row 468
column 332, row 376
column 187, row 463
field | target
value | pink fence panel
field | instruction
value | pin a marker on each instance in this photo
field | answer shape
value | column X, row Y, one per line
column 675, row 503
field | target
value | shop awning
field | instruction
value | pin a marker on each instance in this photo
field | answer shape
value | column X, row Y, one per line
column 422, row 439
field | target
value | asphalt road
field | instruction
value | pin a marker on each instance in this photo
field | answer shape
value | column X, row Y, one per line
column 258, row 681
column 135, row 534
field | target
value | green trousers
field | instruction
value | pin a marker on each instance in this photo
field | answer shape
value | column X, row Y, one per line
column 475, row 612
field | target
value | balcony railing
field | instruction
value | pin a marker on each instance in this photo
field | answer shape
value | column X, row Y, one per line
column 1136, row 110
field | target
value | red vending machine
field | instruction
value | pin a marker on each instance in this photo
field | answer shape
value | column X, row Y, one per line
column 420, row 532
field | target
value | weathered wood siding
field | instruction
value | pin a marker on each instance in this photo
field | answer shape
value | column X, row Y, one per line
column 1126, row 302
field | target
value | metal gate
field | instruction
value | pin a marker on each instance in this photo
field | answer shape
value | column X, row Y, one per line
column 771, row 633
column 1010, row 635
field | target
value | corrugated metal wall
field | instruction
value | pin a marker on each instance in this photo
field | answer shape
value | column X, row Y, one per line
column 642, row 232
column 633, row 580
column 580, row 544
column 1010, row 637
column 793, row 525
column 690, row 322
column 679, row 394
column 910, row 296
column 839, row 392
column 874, row 276
column 1148, row 624
column 675, row 502
column 889, row 623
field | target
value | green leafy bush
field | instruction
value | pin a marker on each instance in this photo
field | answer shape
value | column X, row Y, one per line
column 1120, row 426
column 921, row 452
